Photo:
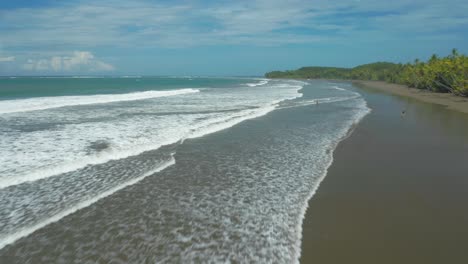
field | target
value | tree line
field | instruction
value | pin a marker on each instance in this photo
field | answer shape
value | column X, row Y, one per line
column 439, row 74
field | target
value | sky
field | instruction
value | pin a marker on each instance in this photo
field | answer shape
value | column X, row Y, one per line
column 226, row 38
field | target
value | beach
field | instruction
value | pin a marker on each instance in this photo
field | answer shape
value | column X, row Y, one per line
column 397, row 189
column 223, row 169
column 234, row 132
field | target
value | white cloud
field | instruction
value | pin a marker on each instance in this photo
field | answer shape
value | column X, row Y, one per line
column 81, row 61
column 102, row 66
column 56, row 63
column 7, row 59
column 142, row 23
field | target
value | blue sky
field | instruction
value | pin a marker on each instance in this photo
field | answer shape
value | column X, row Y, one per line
column 221, row 37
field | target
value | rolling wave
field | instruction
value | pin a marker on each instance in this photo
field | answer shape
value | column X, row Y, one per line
column 42, row 103
column 208, row 126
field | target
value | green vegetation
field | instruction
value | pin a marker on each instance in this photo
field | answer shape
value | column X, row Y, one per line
column 447, row 75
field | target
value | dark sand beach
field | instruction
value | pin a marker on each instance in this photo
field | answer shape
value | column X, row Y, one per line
column 397, row 190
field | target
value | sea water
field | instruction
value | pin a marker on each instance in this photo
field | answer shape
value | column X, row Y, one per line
column 187, row 168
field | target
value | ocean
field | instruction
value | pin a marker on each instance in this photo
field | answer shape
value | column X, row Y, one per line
column 164, row 169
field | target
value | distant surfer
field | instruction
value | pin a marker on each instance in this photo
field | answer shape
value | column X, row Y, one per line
column 403, row 113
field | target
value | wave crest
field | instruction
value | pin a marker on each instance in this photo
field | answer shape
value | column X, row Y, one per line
column 43, row 103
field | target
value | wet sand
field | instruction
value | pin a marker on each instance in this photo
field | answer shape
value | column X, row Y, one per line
column 397, row 190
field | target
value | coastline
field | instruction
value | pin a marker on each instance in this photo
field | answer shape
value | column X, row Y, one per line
column 386, row 197
column 450, row 101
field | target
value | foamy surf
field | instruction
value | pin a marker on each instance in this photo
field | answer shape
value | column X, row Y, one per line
column 48, row 153
column 198, row 130
column 239, row 195
column 123, row 143
column 6, row 239
column 43, row 103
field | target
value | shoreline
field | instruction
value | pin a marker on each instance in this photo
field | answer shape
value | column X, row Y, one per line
column 450, row 101
column 313, row 192
column 385, row 198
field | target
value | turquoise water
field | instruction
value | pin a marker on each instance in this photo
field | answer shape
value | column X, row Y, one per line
column 164, row 169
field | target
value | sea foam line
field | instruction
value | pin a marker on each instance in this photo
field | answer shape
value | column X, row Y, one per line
column 11, row 238
column 318, row 101
column 338, row 88
column 262, row 82
column 42, row 103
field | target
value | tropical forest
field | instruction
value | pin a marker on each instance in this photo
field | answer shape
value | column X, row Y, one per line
column 438, row 74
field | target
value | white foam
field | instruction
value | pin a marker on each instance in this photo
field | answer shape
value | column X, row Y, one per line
column 338, row 88
column 10, row 238
column 130, row 76
column 42, row 103
column 199, row 129
column 318, row 101
column 262, row 82
column 65, row 167
column 215, row 126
